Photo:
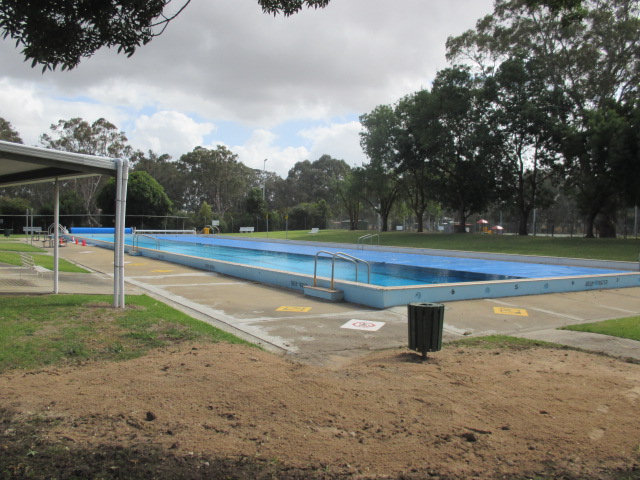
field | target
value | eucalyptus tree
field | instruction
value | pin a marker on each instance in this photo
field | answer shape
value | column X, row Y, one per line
column 605, row 173
column 7, row 132
column 101, row 138
column 527, row 115
column 165, row 171
column 591, row 63
column 347, row 191
column 461, row 141
column 215, row 176
column 417, row 175
column 309, row 182
column 378, row 180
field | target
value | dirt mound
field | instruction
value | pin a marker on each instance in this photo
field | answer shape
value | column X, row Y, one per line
column 235, row 411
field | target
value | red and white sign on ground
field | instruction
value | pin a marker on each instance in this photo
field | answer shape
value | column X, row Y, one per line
column 363, row 325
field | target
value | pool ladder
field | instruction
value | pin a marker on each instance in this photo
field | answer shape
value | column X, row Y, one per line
column 336, row 255
column 369, row 237
column 136, row 241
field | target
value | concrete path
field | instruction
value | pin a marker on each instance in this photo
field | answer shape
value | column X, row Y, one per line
column 323, row 333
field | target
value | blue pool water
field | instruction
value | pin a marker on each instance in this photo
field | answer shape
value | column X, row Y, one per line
column 388, row 268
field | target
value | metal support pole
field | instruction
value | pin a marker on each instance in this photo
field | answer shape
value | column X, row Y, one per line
column 56, row 235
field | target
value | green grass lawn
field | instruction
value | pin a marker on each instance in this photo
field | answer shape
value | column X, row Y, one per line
column 503, row 342
column 10, row 254
column 55, row 329
column 573, row 247
column 622, row 327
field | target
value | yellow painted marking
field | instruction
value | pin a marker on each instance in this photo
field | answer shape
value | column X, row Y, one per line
column 136, row 264
column 293, row 309
column 519, row 312
column 161, row 271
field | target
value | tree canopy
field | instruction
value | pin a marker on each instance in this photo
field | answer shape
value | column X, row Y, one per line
column 583, row 71
column 145, row 197
column 7, row 132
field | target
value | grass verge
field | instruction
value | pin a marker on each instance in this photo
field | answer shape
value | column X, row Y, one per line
column 63, row 329
column 503, row 342
column 616, row 249
column 10, row 254
column 621, row 327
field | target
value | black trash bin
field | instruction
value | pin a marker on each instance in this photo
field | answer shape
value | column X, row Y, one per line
column 426, row 321
column 8, row 232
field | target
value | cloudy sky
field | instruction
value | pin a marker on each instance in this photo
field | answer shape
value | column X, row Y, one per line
column 275, row 88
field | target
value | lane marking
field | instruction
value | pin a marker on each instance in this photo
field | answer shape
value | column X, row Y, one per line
column 293, row 309
column 518, row 312
column 541, row 310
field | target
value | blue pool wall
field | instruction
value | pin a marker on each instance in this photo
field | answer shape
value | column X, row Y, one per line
column 97, row 230
column 385, row 297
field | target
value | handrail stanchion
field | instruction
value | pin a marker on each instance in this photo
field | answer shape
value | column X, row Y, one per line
column 333, row 256
column 369, row 236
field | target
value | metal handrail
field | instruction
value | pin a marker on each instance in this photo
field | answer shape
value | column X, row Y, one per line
column 344, row 256
column 136, row 241
column 369, row 236
column 61, row 229
column 356, row 259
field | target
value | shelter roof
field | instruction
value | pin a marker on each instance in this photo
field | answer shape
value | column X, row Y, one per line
column 23, row 164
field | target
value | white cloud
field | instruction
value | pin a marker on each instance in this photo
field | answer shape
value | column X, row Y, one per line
column 169, row 132
column 261, row 146
column 340, row 140
column 31, row 109
column 224, row 63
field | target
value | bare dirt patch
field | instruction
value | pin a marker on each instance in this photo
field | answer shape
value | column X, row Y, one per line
column 212, row 411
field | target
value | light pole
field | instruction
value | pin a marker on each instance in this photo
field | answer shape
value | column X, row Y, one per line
column 264, row 178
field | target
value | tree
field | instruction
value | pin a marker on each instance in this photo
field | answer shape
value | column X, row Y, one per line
column 347, row 190
column 378, row 187
column 313, row 181
column 166, row 173
column 63, row 32
column 14, row 206
column 215, row 176
column 204, row 215
column 100, row 138
column 378, row 181
column 255, row 204
column 7, row 133
column 417, row 175
column 145, row 198
column 606, row 165
column 459, row 135
column 571, row 11
column 591, row 63
column 527, row 115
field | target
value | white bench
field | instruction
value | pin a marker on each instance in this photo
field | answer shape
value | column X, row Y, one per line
column 246, row 229
column 30, row 266
column 314, row 230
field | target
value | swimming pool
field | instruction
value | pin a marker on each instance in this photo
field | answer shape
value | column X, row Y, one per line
column 397, row 276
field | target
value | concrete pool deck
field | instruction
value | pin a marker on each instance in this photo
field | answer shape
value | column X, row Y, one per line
column 313, row 331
